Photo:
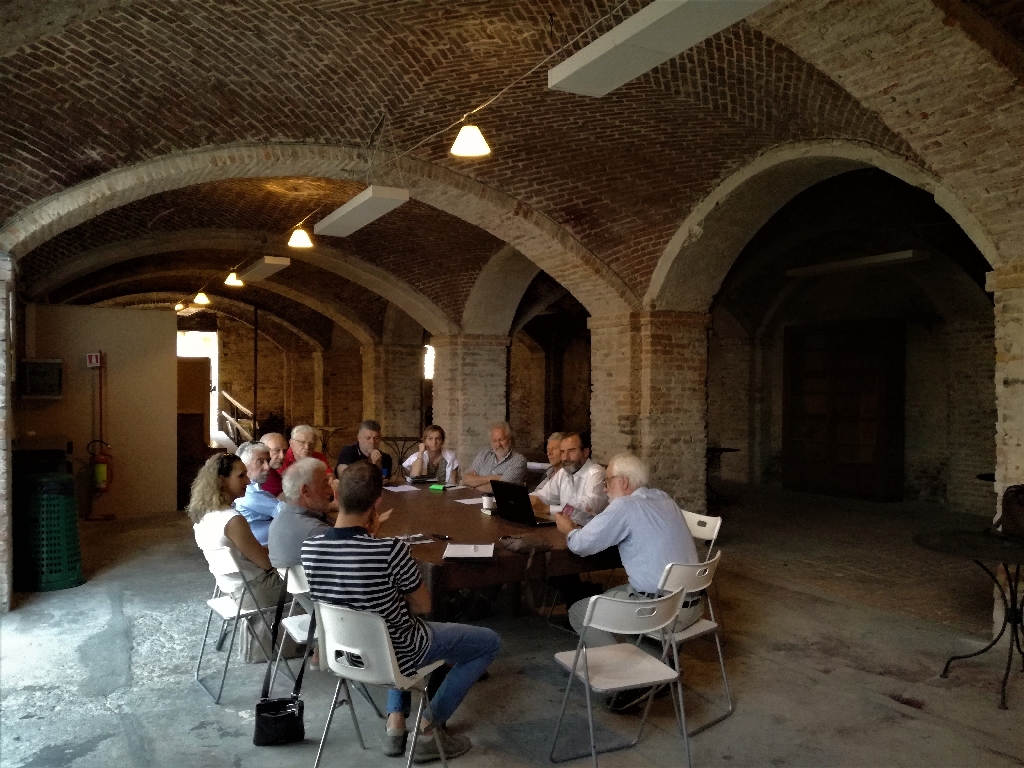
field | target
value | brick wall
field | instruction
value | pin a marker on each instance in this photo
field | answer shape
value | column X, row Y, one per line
column 393, row 383
column 343, row 388
column 235, row 367
column 926, row 414
column 469, row 390
column 729, row 406
column 615, row 383
column 6, row 422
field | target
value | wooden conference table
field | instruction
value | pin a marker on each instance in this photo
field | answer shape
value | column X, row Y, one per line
column 438, row 512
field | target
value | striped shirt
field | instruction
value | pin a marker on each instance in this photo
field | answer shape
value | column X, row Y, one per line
column 351, row 568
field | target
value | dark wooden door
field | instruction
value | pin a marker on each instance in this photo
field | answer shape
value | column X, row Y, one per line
column 843, row 409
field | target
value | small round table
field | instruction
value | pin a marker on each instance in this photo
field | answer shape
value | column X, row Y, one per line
column 990, row 546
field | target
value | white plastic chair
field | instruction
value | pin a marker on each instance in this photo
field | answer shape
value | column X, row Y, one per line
column 223, row 562
column 297, row 627
column 703, row 528
column 692, row 579
column 356, row 646
column 624, row 667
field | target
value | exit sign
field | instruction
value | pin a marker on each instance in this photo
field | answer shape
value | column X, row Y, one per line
column 92, row 359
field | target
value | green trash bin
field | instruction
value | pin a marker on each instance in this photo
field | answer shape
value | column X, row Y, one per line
column 46, row 540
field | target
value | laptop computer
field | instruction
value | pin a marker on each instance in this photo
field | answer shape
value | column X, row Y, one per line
column 514, row 504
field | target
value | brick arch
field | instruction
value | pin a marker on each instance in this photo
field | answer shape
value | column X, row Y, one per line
column 362, row 333
column 496, row 294
column 936, row 85
column 700, row 254
column 335, row 260
column 533, row 234
column 242, row 313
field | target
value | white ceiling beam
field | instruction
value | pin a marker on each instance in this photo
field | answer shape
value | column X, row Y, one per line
column 659, row 32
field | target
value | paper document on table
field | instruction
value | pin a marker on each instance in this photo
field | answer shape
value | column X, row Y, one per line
column 478, row 500
column 468, row 551
column 400, row 488
column 415, row 538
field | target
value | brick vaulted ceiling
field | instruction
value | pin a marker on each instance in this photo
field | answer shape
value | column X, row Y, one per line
column 96, row 86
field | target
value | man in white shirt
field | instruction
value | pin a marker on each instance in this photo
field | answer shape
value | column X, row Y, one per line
column 649, row 531
column 579, row 482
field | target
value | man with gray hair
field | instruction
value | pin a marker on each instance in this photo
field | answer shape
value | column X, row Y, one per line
column 554, row 452
column 257, row 506
column 648, row 528
column 302, row 445
column 500, row 462
column 366, row 448
column 302, row 511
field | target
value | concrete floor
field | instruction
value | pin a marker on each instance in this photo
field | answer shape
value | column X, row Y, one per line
column 837, row 627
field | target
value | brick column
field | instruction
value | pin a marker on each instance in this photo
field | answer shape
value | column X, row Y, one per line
column 393, row 387
column 673, row 403
column 6, row 422
column 318, row 387
column 649, row 374
column 615, row 383
column 469, row 389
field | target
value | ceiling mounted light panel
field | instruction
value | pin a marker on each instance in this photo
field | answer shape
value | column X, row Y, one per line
column 264, row 268
column 366, row 207
column 659, row 32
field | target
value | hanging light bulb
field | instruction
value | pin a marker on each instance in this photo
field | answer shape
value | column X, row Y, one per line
column 300, row 239
column 232, row 279
column 201, row 298
column 178, row 307
column 470, row 143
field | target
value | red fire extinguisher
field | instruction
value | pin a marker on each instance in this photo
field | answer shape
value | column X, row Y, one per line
column 102, row 463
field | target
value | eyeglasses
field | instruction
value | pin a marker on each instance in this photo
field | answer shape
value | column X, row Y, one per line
column 610, row 478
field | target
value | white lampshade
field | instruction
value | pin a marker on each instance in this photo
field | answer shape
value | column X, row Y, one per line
column 233, row 280
column 470, row 143
column 300, row 239
column 178, row 307
column 201, row 298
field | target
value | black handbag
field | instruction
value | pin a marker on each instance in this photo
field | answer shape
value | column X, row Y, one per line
column 279, row 721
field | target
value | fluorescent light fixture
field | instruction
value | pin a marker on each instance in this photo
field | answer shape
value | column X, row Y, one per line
column 264, row 268
column 368, row 206
column 657, row 33
column 300, row 239
column 233, row 280
column 470, row 143
column 201, row 298
column 881, row 260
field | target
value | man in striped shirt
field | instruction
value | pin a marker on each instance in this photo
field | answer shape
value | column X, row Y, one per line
column 347, row 565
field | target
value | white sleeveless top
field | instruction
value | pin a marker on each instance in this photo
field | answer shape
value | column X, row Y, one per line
column 209, row 534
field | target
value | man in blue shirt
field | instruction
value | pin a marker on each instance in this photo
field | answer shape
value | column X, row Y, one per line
column 257, row 506
column 648, row 528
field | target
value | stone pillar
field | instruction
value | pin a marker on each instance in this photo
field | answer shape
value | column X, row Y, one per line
column 673, row 403
column 6, row 423
column 393, row 387
column 469, row 389
column 318, row 387
column 649, row 374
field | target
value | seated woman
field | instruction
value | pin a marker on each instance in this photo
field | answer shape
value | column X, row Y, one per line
column 223, row 479
column 432, row 460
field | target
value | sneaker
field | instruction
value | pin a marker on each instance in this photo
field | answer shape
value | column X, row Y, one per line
column 393, row 741
column 453, row 746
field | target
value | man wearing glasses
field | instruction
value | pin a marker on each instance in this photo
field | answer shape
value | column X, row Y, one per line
column 650, row 532
column 302, row 445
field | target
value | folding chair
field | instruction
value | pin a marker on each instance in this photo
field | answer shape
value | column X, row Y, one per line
column 357, row 647
column 703, row 528
column 224, row 563
column 297, row 627
column 624, row 667
column 691, row 579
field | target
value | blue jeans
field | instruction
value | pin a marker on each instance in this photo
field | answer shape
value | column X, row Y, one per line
column 469, row 649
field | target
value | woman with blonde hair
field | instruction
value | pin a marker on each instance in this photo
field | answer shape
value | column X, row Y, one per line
column 216, row 524
column 432, row 460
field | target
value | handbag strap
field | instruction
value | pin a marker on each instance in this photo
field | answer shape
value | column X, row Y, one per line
column 309, row 645
column 273, row 638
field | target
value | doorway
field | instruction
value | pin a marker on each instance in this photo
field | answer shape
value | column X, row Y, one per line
column 843, row 409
